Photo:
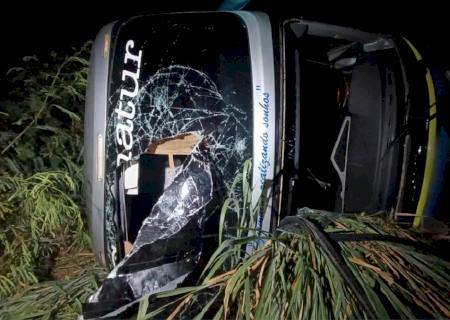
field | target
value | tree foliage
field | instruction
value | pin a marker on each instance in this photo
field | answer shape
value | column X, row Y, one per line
column 60, row 298
column 41, row 178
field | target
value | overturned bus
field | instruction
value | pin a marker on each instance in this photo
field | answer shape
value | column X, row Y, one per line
column 332, row 118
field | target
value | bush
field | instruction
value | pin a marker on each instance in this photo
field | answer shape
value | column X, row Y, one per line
column 41, row 179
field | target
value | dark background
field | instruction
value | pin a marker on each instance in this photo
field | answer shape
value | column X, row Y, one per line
column 38, row 27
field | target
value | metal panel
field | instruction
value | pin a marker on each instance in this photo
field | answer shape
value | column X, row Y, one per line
column 263, row 78
column 95, row 122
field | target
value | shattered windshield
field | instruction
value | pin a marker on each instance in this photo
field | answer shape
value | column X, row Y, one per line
column 178, row 129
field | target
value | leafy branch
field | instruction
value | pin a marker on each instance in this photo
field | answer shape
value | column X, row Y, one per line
column 41, row 181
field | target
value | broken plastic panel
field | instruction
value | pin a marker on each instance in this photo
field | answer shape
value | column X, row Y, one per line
column 169, row 242
column 143, row 182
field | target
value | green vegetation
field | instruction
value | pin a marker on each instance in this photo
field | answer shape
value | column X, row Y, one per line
column 295, row 276
column 41, row 187
column 317, row 265
column 77, row 277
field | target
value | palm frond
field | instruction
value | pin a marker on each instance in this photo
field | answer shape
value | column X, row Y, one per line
column 317, row 265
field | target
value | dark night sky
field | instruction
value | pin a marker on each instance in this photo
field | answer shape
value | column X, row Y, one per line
column 40, row 26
